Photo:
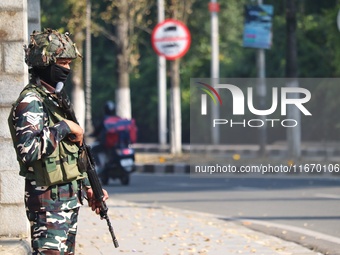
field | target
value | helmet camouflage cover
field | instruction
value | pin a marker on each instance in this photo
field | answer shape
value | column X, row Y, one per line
column 46, row 47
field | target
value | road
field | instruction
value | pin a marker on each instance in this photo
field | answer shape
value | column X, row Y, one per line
column 311, row 203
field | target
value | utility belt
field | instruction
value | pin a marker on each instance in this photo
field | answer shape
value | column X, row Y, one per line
column 53, row 198
column 76, row 187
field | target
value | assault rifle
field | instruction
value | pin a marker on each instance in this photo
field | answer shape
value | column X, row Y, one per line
column 96, row 186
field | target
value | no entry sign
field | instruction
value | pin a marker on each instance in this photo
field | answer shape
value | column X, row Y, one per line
column 171, row 39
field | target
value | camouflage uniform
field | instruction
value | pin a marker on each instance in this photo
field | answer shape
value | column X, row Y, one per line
column 52, row 231
column 52, row 208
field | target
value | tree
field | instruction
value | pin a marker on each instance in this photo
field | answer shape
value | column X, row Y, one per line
column 123, row 22
column 77, row 25
column 178, row 10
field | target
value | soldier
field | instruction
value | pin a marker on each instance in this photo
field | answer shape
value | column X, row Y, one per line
column 46, row 143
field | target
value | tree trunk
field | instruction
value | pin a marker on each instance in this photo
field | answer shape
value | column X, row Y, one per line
column 78, row 95
column 123, row 100
column 175, row 109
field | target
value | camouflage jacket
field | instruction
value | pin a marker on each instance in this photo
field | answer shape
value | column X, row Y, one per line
column 35, row 138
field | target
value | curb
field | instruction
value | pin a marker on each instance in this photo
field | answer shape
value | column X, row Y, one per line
column 179, row 168
column 251, row 150
column 312, row 240
column 14, row 246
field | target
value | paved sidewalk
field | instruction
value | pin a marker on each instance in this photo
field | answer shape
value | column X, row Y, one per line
column 153, row 230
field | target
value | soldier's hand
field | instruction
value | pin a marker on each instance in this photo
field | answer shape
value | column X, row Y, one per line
column 76, row 131
column 95, row 205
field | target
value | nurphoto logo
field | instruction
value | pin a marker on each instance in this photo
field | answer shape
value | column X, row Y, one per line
column 295, row 97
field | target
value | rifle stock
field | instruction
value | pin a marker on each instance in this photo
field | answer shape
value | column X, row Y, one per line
column 96, row 186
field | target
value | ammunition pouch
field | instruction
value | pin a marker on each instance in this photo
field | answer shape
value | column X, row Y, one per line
column 59, row 167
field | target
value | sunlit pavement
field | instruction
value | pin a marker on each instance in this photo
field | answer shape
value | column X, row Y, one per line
column 148, row 229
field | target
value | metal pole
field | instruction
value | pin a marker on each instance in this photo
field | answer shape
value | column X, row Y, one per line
column 293, row 134
column 162, row 100
column 215, row 71
column 88, row 116
column 262, row 93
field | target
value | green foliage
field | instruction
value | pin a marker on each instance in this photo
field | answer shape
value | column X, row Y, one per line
column 144, row 97
column 103, row 76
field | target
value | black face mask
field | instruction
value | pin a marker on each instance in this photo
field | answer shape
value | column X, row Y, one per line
column 53, row 74
column 59, row 73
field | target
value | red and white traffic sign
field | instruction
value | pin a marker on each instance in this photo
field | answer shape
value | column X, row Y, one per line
column 171, row 39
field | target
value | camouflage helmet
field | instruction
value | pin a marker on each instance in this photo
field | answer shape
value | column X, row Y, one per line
column 46, row 47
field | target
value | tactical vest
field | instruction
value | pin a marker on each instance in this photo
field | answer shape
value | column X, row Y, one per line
column 59, row 167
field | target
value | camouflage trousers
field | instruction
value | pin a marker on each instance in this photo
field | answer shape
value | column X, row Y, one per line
column 52, row 232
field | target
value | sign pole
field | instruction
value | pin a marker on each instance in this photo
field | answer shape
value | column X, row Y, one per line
column 262, row 93
column 162, row 99
column 215, row 70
